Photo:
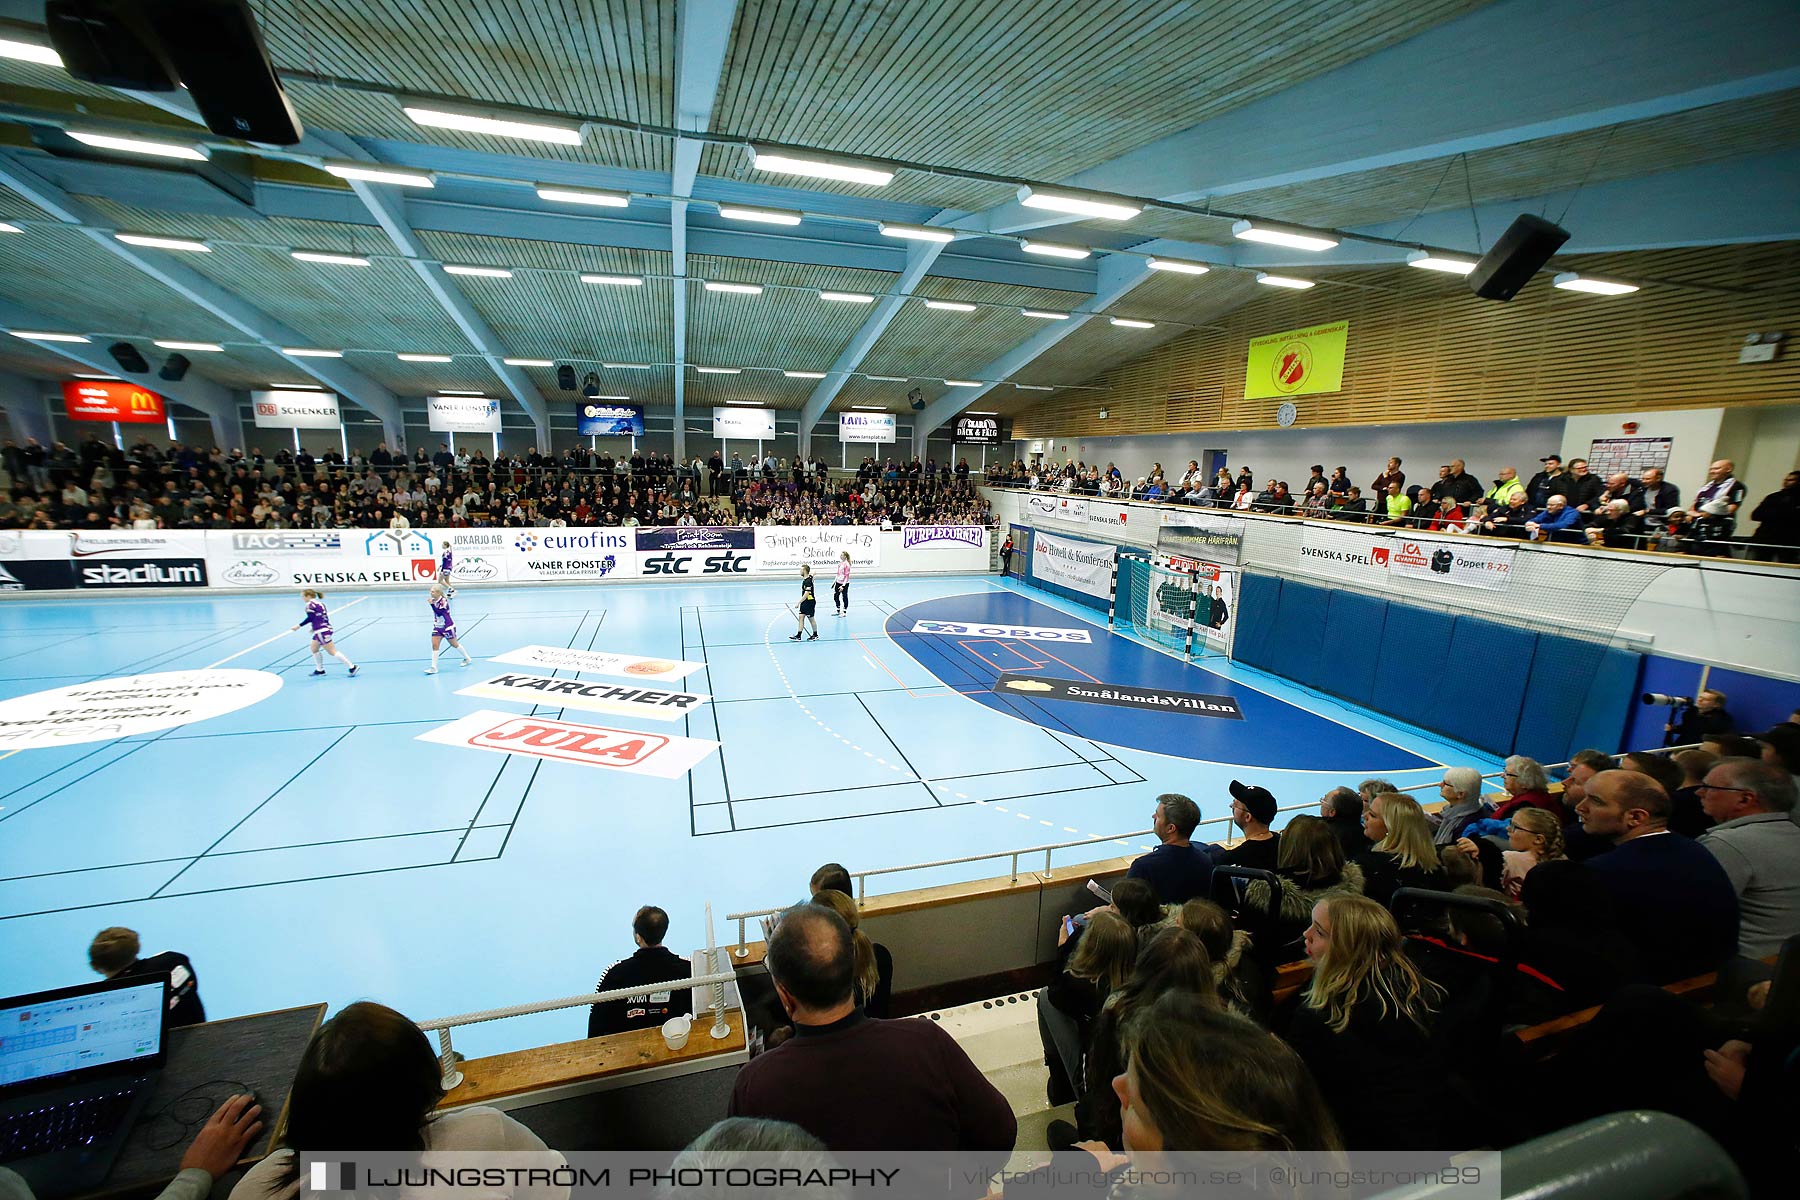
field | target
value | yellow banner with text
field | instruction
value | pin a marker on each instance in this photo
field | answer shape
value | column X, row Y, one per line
column 1300, row 362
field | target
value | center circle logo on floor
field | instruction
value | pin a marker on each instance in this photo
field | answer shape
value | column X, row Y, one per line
column 115, row 708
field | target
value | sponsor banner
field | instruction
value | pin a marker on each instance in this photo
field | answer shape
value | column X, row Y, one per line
column 462, row 414
column 383, row 552
column 594, row 419
column 1342, row 554
column 1300, row 362
column 1075, row 512
column 148, row 543
column 1118, row 695
column 943, row 537
column 1084, row 566
column 781, row 548
column 598, row 662
column 1453, row 560
column 1195, row 535
column 295, row 410
column 1042, row 505
column 660, row 755
column 33, row 544
column 744, row 424
column 126, row 403
column 117, row 708
column 1023, row 633
column 978, row 431
column 1212, row 609
column 866, row 427
column 695, row 537
column 141, row 573
column 619, row 699
column 1112, row 516
column 280, row 541
column 662, row 563
column 575, row 564
column 476, row 568
column 36, row 575
column 492, row 542
column 321, row 571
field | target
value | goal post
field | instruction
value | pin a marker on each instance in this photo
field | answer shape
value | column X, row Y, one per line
column 1184, row 604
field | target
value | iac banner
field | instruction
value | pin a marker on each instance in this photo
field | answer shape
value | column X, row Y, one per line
column 1300, row 362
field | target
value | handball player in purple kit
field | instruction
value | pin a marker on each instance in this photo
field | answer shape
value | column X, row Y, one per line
column 443, row 625
column 320, row 620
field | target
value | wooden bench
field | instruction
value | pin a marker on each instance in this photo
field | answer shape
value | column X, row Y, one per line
column 1545, row 1038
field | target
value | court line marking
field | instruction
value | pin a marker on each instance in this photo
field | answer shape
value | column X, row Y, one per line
column 266, row 641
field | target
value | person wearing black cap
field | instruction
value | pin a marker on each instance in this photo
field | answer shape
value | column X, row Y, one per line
column 1547, row 482
column 1252, row 809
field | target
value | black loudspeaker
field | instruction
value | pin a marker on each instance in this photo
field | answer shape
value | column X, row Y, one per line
column 565, row 377
column 128, row 358
column 110, row 42
column 916, row 398
column 174, row 368
column 1524, row 248
column 590, row 385
column 218, row 52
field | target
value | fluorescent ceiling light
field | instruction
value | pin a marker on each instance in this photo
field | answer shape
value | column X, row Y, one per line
column 614, row 280
column 950, row 305
column 871, row 408
column 886, row 378
column 1130, row 323
column 483, row 272
column 848, row 297
column 1286, row 281
column 9, row 227
column 131, row 145
column 1178, row 266
column 741, row 289
column 916, row 233
column 718, row 371
column 586, row 196
column 29, row 52
column 1081, row 206
column 1250, row 231
column 972, row 413
column 1033, row 387
column 298, row 387
column 1043, row 314
column 163, row 243
column 535, row 129
column 845, row 171
column 370, row 173
column 424, row 358
column 92, row 375
column 962, row 382
column 757, row 403
column 1427, row 261
column 626, row 366
column 325, row 256
column 804, row 374
column 32, row 335
column 1053, row 250
column 307, row 352
column 608, row 397
column 461, row 392
column 528, row 362
column 767, row 216
column 1573, row 281
column 197, row 347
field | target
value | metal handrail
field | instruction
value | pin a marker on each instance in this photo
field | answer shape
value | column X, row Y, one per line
column 1561, row 766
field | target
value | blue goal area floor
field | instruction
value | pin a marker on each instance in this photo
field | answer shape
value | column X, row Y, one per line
column 310, row 846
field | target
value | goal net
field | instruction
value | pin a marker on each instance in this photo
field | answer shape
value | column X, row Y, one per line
column 1182, row 603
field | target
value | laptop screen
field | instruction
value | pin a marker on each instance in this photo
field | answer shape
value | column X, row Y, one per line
column 59, row 1033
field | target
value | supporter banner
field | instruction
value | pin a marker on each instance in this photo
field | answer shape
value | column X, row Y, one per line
column 126, row 403
column 695, row 537
column 593, row 419
column 36, row 575
column 598, row 662
column 1112, row 516
column 656, row 754
column 1118, row 695
column 462, row 414
column 141, row 573
column 1453, row 560
column 1300, row 362
column 942, row 537
column 1343, row 554
column 1084, row 566
column 1022, row 633
column 620, row 699
column 295, row 410
column 744, row 424
column 147, row 543
column 978, row 431
column 866, row 427
column 1198, row 535
column 781, row 548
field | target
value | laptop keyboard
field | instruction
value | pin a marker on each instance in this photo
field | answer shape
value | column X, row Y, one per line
column 63, row 1126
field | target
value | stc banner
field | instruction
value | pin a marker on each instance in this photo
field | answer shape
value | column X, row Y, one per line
column 1300, row 362
column 126, row 403
column 1084, row 566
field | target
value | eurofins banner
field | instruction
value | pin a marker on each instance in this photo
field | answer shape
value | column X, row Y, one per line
column 1300, row 362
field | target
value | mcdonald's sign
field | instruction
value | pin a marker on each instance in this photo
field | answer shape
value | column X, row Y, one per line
column 126, row 403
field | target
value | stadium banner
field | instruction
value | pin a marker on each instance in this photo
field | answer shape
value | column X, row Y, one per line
column 660, row 755
column 1453, row 560
column 1113, row 518
column 1084, row 566
column 126, row 403
column 695, row 537
column 295, row 410
column 598, row 662
column 1343, row 555
column 1200, row 535
column 131, row 573
column 943, row 537
column 1299, row 362
column 978, row 431
column 744, row 424
column 138, row 543
column 594, row 419
column 462, row 414
column 618, row 699
column 866, row 427
column 784, row 548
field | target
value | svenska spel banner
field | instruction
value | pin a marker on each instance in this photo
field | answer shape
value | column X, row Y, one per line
column 1300, row 362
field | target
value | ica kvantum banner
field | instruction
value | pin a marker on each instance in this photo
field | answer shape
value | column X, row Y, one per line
column 1300, row 362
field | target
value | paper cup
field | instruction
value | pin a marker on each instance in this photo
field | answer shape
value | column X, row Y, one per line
column 675, row 1032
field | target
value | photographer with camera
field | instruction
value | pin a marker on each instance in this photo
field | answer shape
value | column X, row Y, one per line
column 1701, row 717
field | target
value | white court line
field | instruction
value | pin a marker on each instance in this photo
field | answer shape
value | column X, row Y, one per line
column 267, row 640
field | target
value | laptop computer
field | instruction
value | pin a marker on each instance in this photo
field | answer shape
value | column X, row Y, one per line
column 76, row 1068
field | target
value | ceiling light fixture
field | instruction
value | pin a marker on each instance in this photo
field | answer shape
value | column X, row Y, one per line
column 163, row 243
column 950, row 306
column 29, row 52
column 848, row 297
column 92, row 375
column 1286, row 281
column 842, row 170
column 1081, row 206
column 741, row 289
column 378, row 174
column 1132, row 323
column 804, row 374
column 32, row 335
column 131, row 145
column 459, row 392
column 423, row 358
column 536, row 129
column 528, row 362
column 1033, row 387
column 1178, row 266
column 1427, row 261
column 962, row 383
column 872, row 407
column 886, row 378
column 1574, row 281
column 298, row 387
column 718, row 370
column 764, row 216
column 614, row 280
column 587, row 196
column 1043, row 314
column 328, row 258
column 307, row 352
column 626, row 366
column 482, row 272
column 9, row 227
column 1054, row 250
column 757, row 403
column 916, row 233
column 1273, row 235
column 198, row 347
column 972, row 413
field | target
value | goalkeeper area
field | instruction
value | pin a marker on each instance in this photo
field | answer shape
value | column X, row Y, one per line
column 1183, row 604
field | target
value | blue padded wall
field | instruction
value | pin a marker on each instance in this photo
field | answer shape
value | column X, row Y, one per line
column 1414, row 644
column 1554, row 703
column 1610, row 700
column 1353, row 627
column 1258, row 599
column 1485, row 676
column 1299, row 635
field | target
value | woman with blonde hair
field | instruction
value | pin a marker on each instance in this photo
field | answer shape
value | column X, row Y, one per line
column 1364, row 1029
column 1309, row 867
column 874, row 965
column 1096, row 963
column 1403, row 854
column 1534, row 837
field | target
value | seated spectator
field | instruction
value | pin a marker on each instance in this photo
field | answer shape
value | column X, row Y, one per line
column 874, row 963
column 834, row 876
column 1463, row 805
column 1583, row 766
column 857, row 1082
column 1135, row 900
column 114, row 953
column 1478, row 1002
column 1572, row 934
column 1781, row 747
column 1462, row 869
column 651, row 963
column 1693, row 765
column 1403, row 854
column 1309, row 868
column 1317, row 503
column 1364, row 1029
column 1615, row 526
column 1757, row 842
column 1527, row 786
column 1094, row 964
column 1675, row 902
column 1449, row 517
column 1368, row 789
column 1241, row 984
column 1556, row 517
column 369, row 1080
column 1510, row 519
column 1342, row 810
column 1685, row 819
column 1252, row 809
column 1350, row 505
column 1533, row 836
column 1178, row 870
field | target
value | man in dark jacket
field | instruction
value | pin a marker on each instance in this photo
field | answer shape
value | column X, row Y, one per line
column 1583, row 489
column 114, row 953
column 1547, row 482
column 1656, row 496
column 652, row 963
column 1177, row 869
column 1458, row 484
column 1779, row 514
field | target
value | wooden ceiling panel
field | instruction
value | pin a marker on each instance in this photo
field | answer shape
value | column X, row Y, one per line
column 931, row 343
column 63, row 276
column 787, row 327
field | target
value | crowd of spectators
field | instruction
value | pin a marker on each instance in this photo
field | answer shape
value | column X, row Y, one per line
column 1559, row 503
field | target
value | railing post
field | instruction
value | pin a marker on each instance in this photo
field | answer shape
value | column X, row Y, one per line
column 1015, row 867
column 450, row 1076
column 862, row 888
column 720, row 1028
column 743, row 949
column 1047, row 853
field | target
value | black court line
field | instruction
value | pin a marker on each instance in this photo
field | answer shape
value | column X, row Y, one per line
column 724, row 774
column 921, row 808
column 42, row 645
column 918, row 777
column 862, row 787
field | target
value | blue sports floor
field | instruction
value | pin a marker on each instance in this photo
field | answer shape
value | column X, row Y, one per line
column 308, row 847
